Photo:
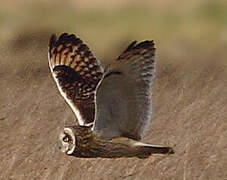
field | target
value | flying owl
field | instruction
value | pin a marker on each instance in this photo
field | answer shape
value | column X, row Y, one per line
column 112, row 104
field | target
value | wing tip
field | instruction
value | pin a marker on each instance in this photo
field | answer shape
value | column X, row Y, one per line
column 131, row 46
column 146, row 45
column 53, row 39
column 62, row 39
column 56, row 41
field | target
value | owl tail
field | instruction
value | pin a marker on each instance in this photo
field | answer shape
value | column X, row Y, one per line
column 124, row 147
column 145, row 150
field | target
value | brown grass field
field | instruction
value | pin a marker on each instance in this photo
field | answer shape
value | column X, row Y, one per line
column 190, row 90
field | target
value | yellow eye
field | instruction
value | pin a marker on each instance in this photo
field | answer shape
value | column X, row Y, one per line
column 66, row 139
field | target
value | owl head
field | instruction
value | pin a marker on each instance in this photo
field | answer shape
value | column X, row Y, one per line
column 67, row 141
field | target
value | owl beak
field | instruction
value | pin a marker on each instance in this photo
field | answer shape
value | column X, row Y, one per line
column 59, row 145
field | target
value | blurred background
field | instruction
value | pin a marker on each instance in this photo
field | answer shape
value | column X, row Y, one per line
column 190, row 91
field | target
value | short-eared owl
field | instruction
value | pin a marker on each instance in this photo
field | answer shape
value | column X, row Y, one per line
column 112, row 104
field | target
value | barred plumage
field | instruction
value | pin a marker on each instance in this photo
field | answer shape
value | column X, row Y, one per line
column 77, row 73
column 113, row 107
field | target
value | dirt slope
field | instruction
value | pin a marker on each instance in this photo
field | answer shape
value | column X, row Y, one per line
column 190, row 112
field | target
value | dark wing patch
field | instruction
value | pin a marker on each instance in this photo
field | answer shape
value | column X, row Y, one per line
column 141, row 49
column 77, row 73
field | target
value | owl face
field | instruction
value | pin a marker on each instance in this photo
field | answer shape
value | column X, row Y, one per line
column 67, row 141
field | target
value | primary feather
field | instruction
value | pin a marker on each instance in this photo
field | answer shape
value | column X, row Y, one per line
column 77, row 73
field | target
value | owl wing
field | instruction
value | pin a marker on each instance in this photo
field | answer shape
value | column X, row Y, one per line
column 124, row 95
column 76, row 72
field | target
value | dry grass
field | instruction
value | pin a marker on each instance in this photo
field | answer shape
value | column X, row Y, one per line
column 190, row 90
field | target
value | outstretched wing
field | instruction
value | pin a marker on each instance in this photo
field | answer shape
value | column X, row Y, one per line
column 124, row 95
column 77, row 73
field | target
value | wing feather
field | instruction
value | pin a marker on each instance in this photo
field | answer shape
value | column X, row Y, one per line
column 76, row 72
column 124, row 104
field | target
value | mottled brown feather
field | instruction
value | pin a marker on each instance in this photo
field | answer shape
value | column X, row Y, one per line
column 77, row 73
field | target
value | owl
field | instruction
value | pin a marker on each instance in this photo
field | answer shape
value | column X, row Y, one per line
column 112, row 104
